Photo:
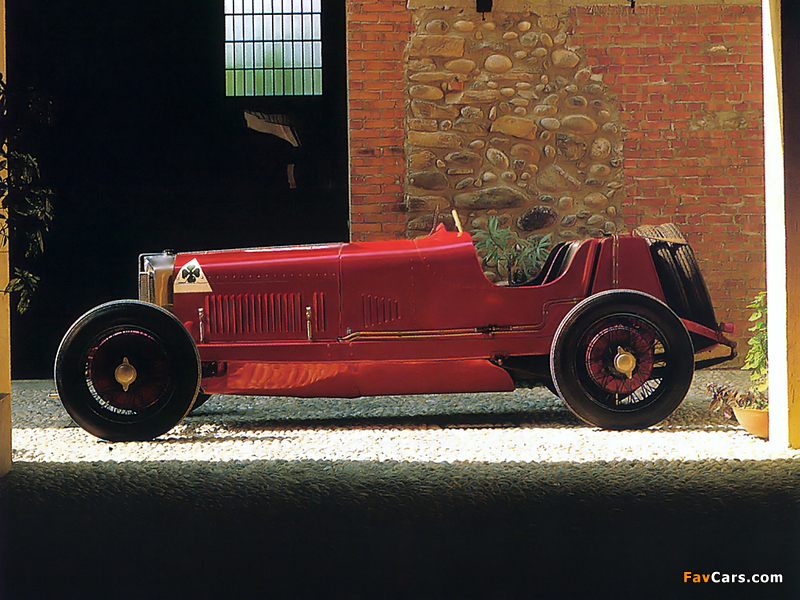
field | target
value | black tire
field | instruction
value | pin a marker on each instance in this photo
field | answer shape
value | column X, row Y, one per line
column 201, row 399
column 669, row 273
column 142, row 341
column 696, row 291
column 672, row 282
column 602, row 328
column 551, row 387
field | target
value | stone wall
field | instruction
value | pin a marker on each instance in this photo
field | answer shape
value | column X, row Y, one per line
column 504, row 117
column 593, row 120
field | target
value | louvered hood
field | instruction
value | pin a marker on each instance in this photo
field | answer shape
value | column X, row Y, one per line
column 260, row 294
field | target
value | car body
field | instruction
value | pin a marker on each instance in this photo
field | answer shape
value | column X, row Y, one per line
column 602, row 325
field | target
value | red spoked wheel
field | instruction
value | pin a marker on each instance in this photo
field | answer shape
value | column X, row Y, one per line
column 127, row 371
column 620, row 357
column 122, row 359
column 622, row 360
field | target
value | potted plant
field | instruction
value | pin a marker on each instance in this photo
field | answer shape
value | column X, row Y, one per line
column 751, row 408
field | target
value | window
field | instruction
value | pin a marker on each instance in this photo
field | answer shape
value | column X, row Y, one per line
column 273, row 48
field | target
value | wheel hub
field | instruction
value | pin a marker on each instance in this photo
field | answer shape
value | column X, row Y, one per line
column 619, row 358
column 124, row 358
column 125, row 374
column 624, row 362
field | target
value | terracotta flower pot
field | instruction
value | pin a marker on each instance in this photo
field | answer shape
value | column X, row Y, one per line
column 755, row 421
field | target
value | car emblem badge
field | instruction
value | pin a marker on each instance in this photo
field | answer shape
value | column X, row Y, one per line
column 191, row 279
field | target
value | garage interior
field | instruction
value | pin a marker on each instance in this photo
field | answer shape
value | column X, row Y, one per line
column 349, row 529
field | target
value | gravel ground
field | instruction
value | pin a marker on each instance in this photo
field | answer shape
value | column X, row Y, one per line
column 528, row 425
column 501, row 496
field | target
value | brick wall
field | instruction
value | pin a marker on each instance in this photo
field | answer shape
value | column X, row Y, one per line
column 377, row 33
column 688, row 82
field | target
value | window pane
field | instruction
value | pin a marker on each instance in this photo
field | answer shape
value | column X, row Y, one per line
column 238, row 56
column 273, row 47
column 269, row 83
column 316, row 30
column 317, row 81
column 297, row 27
column 268, row 34
column 249, row 83
column 229, row 64
column 317, row 49
column 239, row 90
column 297, row 51
column 288, row 57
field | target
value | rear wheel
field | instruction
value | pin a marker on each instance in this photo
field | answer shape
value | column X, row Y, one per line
column 201, row 399
column 622, row 360
column 127, row 370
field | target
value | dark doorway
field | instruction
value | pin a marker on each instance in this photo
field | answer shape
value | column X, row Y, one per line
column 146, row 152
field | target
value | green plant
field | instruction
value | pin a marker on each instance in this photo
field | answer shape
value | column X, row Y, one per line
column 522, row 257
column 724, row 398
column 756, row 358
column 27, row 208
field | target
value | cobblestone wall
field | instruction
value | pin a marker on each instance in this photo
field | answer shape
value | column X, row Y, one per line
column 505, row 118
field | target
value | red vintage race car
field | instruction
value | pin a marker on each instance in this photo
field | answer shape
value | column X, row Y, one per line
column 615, row 326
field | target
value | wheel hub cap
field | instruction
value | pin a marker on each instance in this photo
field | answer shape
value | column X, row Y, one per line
column 625, row 362
column 124, row 358
column 620, row 358
column 125, row 374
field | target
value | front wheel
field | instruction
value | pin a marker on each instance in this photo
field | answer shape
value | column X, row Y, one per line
column 127, row 371
column 622, row 359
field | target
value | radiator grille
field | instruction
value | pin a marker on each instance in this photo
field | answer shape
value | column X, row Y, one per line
column 243, row 314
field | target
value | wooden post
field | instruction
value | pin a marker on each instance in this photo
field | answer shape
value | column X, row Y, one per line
column 5, row 314
column 782, row 160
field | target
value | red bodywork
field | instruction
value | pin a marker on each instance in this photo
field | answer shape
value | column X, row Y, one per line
column 393, row 317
